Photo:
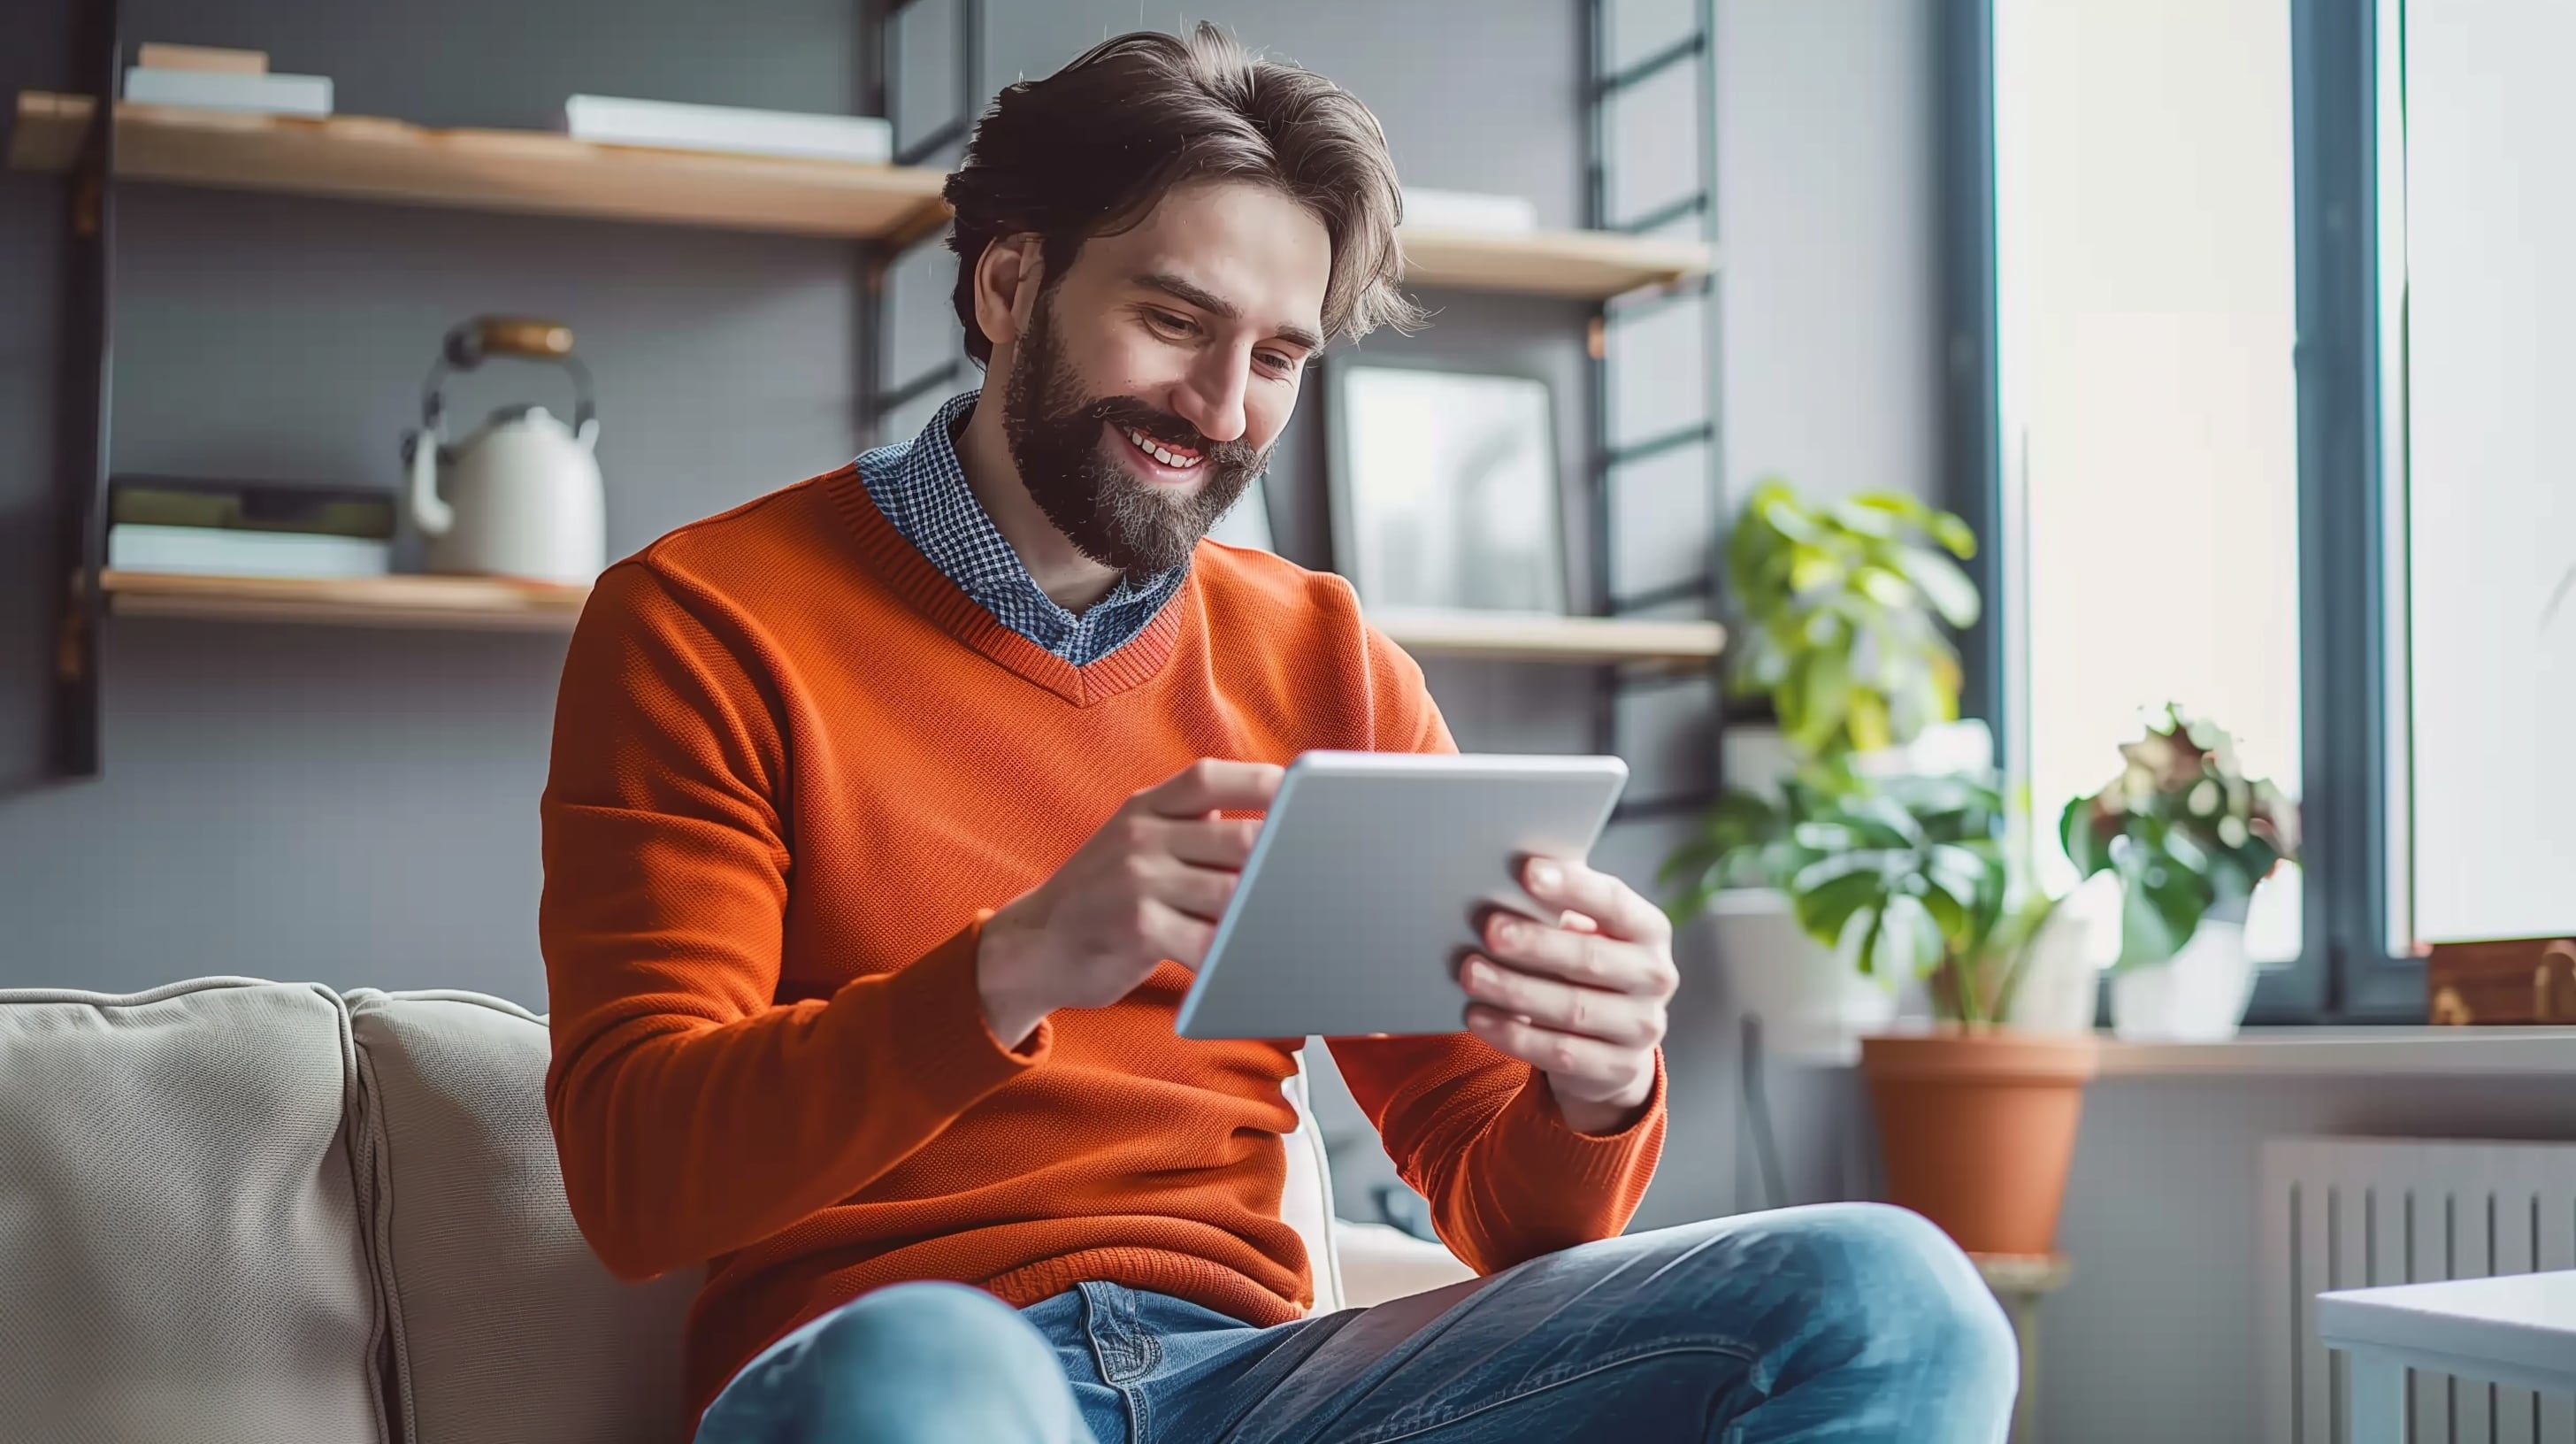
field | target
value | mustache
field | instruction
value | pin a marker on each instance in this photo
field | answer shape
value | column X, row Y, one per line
column 1133, row 413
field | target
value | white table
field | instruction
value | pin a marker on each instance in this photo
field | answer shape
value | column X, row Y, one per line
column 2518, row 1330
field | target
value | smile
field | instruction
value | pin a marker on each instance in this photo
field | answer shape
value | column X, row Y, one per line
column 1177, row 458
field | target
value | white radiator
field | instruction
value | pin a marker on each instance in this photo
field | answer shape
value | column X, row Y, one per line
column 2341, row 1213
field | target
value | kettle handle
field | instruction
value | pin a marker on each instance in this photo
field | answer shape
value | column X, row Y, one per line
column 470, row 343
column 429, row 511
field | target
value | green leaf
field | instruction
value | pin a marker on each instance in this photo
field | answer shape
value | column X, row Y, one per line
column 1782, row 513
column 1953, row 534
column 1866, row 957
column 1823, row 693
column 1883, row 816
column 2160, row 905
column 1824, row 909
column 1825, row 837
column 1833, row 867
column 1917, row 933
column 1888, row 588
column 1948, row 588
column 1871, row 519
column 1812, row 570
column 2087, row 851
column 1962, row 871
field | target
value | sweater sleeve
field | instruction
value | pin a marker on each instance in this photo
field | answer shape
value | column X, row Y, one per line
column 693, row 1113
column 1475, row 1132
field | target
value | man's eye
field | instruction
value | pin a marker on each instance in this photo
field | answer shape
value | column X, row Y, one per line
column 1278, row 362
column 1165, row 320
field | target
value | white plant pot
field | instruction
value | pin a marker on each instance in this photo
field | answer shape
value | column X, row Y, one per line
column 2197, row 997
column 1810, row 1001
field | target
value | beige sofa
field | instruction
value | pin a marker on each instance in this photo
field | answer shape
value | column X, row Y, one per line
column 235, row 1210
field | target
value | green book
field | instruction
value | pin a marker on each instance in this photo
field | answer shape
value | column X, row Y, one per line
column 250, row 506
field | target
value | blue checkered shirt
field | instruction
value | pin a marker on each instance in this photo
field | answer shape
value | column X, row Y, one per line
column 921, row 487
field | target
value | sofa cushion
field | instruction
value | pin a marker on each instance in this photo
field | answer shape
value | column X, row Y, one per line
column 180, row 1252
column 505, row 1325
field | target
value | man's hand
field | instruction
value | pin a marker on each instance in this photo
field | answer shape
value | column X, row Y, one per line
column 1582, row 1001
column 1149, row 885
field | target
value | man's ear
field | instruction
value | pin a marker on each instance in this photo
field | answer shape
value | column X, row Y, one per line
column 1006, row 286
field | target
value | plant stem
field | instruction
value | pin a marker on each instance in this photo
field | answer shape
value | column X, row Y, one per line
column 1964, row 988
column 2020, row 964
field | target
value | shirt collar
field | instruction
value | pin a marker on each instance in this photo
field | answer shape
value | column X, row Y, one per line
column 923, row 491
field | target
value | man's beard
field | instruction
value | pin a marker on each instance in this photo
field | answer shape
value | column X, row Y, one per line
column 1107, row 511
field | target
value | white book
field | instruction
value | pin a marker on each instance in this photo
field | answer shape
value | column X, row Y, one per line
column 1469, row 211
column 677, row 126
column 267, row 94
column 235, row 552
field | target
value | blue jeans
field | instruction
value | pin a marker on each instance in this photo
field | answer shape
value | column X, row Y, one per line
column 1841, row 1322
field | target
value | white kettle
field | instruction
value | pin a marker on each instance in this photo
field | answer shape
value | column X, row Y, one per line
column 521, row 496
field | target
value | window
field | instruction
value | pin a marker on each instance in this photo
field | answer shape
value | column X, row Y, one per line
column 2147, row 320
column 2275, row 287
column 2475, row 253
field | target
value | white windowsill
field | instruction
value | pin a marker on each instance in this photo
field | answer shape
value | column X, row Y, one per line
column 2423, row 1052
column 2378, row 1052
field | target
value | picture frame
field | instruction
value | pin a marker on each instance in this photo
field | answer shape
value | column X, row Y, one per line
column 1445, row 490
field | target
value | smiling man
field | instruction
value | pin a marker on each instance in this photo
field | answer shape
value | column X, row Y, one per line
column 889, row 812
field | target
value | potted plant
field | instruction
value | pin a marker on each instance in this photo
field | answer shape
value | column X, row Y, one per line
column 1840, row 607
column 1976, row 1121
column 1734, row 874
column 2189, row 836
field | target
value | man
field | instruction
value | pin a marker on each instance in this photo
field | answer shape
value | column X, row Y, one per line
column 888, row 813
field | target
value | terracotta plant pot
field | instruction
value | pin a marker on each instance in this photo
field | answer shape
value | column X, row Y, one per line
column 1977, row 1130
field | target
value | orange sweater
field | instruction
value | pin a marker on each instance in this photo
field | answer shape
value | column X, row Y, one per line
column 794, row 768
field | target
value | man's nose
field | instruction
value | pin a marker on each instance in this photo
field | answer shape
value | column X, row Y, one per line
column 1212, row 397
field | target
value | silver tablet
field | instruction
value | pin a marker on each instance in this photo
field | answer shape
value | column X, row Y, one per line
column 1367, row 883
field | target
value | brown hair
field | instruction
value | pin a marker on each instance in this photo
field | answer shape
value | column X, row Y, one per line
column 1089, row 150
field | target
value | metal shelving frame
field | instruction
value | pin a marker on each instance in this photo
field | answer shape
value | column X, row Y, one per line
column 1605, row 86
column 83, row 394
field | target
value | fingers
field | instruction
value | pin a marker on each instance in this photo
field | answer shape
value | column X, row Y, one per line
column 1218, row 842
column 1561, row 1055
column 1171, row 933
column 1620, row 1018
column 1199, row 892
column 1589, row 959
column 1212, row 786
column 1615, row 905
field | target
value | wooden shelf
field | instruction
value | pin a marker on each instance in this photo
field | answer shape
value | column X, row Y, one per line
column 1507, row 637
column 1583, row 265
column 365, row 158
column 500, row 604
column 408, row 600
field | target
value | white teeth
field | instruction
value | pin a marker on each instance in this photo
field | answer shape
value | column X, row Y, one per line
column 1147, row 445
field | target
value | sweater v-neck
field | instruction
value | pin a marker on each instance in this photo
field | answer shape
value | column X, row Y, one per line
column 929, row 591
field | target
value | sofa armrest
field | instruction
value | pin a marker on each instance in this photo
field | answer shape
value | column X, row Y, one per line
column 1381, row 1263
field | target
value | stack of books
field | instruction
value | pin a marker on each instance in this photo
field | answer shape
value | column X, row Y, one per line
column 247, row 529
column 212, row 79
column 672, row 125
column 1499, row 215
